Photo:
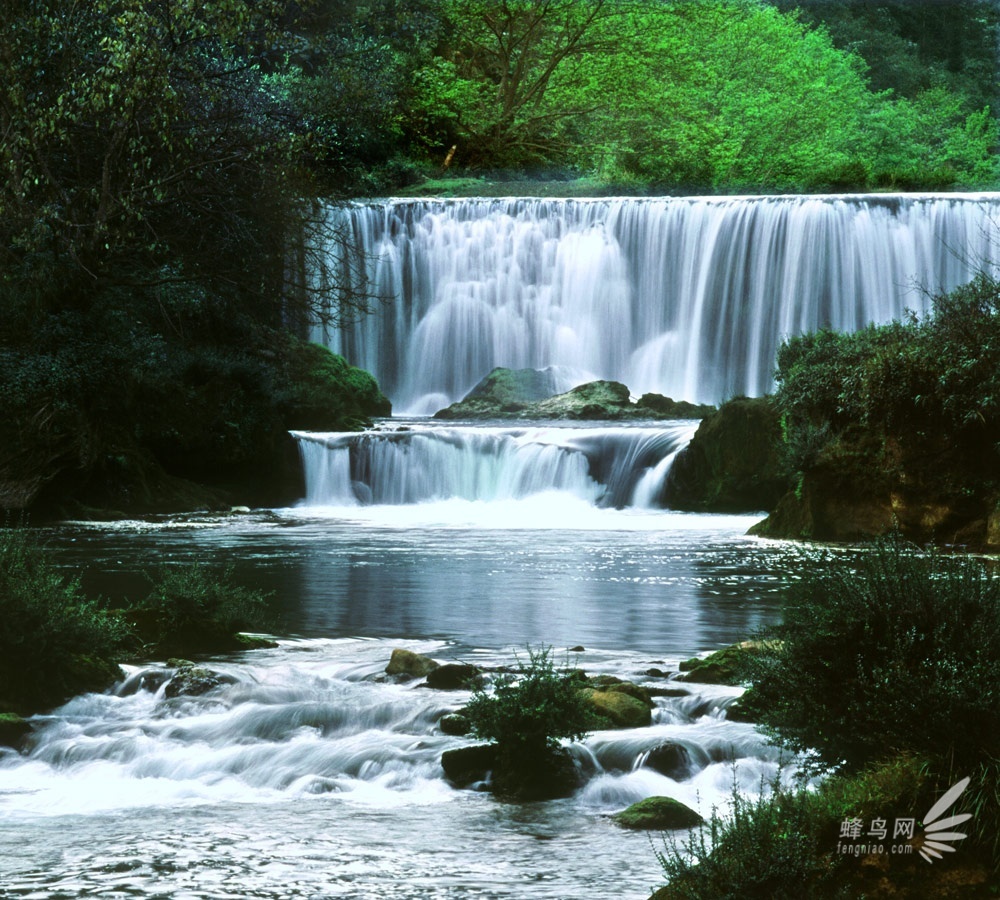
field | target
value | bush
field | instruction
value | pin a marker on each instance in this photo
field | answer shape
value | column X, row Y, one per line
column 55, row 642
column 771, row 848
column 914, row 381
column 190, row 610
column 896, row 654
column 783, row 844
column 528, row 715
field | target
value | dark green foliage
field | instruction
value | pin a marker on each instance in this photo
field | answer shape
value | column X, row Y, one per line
column 527, row 715
column 770, row 848
column 894, row 653
column 54, row 641
column 783, row 843
column 192, row 610
column 923, row 382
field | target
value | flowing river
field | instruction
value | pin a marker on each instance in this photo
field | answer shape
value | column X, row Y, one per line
column 311, row 775
column 308, row 773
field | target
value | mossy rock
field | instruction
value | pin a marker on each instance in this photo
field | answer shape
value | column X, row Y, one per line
column 734, row 463
column 725, row 666
column 635, row 691
column 455, row 724
column 192, row 681
column 409, row 664
column 502, row 392
column 326, row 393
column 658, row 814
column 616, row 709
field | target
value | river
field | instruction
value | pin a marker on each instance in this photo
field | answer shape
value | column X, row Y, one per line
column 310, row 775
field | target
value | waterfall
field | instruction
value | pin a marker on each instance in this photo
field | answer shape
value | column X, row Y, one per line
column 607, row 466
column 688, row 297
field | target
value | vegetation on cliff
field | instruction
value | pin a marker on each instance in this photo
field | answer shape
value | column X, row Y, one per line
column 896, row 426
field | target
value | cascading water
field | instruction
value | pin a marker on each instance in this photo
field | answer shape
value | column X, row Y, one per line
column 603, row 465
column 684, row 297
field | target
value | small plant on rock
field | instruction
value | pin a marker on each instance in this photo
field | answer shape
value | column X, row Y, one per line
column 527, row 716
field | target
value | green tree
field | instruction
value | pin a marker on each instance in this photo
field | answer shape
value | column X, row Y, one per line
column 487, row 91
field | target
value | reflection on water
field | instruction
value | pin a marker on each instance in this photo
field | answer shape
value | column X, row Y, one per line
column 660, row 582
column 307, row 776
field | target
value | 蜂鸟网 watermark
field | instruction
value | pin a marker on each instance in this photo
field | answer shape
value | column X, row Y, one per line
column 931, row 836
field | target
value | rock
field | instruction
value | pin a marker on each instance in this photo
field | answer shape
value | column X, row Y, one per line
column 455, row 724
column 673, row 760
column 658, row 814
column 454, row 677
column 734, row 463
column 410, row 664
column 635, row 691
column 577, row 649
column 530, row 394
column 466, row 765
column 545, row 776
column 591, row 401
column 192, row 681
column 503, row 392
column 618, row 709
column 722, row 667
column 656, row 406
column 13, row 730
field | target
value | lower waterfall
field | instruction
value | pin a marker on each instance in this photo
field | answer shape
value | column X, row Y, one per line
column 605, row 465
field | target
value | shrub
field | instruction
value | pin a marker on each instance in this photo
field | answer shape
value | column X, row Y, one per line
column 190, row 610
column 55, row 642
column 769, row 848
column 895, row 654
column 782, row 844
column 529, row 714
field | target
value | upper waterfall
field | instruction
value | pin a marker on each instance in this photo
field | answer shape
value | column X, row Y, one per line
column 686, row 297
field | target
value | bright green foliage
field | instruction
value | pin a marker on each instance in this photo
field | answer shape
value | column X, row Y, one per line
column 192, row 610
column 707, row 94
column 54, row 641
column 893, row 653
column 489, row 90
column 528, row 715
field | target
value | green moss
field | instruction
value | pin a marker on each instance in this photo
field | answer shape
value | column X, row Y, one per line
column 658, row 814
column 325, row 393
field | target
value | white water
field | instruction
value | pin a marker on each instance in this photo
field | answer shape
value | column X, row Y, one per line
column 605, row 466
column 309, row 776
column 684, row 297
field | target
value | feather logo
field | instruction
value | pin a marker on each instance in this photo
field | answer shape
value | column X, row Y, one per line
column 938, row 835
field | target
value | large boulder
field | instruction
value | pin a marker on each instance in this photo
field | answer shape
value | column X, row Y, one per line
column 724, row 666
column 454, row 677
column 408, row 664
column 734, row 463
column 542, row 775
column 658, row 814
column 617, row 709
column 190, row 680
column 531, row 394
column 467, row 765
column 503, row 392
column 594, row 400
